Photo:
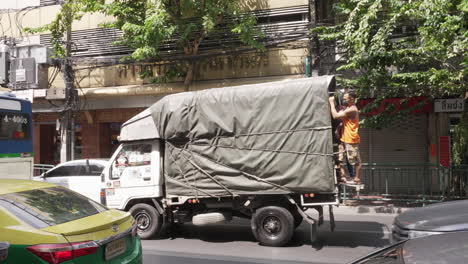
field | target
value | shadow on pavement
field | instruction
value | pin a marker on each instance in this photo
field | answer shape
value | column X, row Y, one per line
column 214, row 233
column 349, row 234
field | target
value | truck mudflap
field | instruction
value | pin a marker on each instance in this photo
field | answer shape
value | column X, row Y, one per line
column 313, row 223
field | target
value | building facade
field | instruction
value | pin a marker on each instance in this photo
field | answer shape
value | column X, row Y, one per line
column 110, row 95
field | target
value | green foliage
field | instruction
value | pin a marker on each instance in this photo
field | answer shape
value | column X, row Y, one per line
column 181, row 26
column 149, row 27
column 460, row 141
column 400, row 48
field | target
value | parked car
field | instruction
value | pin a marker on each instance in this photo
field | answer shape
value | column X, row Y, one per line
column 46, row 223
column 82, row 176
column 431, row 220
column 445, row 248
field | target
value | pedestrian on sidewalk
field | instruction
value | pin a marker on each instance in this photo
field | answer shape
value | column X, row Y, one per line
column 350, row 139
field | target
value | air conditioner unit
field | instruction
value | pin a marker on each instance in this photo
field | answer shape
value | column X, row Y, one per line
column 23, row 73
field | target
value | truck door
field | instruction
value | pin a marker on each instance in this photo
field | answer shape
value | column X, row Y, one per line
column 134, row 173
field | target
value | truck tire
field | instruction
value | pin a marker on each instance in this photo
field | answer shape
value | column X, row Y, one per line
column 273, row 226
column 148, row 219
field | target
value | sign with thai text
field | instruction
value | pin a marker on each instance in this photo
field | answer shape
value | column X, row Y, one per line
column 449, row 105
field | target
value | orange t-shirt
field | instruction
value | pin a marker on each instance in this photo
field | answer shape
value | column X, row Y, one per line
column 351, row 131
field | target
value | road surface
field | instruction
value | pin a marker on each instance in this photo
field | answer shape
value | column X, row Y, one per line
column 358, row 232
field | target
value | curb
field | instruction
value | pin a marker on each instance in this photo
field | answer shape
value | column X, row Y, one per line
column 371, row 209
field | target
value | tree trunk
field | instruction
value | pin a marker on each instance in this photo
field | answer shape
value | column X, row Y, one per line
column 190, row 74
column 192, row 64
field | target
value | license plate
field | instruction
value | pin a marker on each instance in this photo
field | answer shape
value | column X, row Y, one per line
column 115, row 248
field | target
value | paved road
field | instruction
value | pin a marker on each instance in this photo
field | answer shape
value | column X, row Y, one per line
column 356, row 234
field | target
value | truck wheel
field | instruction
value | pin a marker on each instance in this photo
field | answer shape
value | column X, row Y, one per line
column 273, row 226
column 148, row 219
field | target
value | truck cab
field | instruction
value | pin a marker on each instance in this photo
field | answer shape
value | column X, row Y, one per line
column 135, row 170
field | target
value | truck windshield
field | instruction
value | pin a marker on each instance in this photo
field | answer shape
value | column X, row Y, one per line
column 131, row 156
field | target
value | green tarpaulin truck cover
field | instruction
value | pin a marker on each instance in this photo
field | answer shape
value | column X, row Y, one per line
column 268, row 138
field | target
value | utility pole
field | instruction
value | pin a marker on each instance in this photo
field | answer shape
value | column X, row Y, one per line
column 314, row 44
column 67, row 125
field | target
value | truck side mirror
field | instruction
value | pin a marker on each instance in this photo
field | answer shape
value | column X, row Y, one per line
column 4, row 250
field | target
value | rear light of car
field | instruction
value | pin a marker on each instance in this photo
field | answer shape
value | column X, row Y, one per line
column 58, row 253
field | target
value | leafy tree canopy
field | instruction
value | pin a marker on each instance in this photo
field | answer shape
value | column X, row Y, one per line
column 402, row 48
column 153, row 26
column 398, row 48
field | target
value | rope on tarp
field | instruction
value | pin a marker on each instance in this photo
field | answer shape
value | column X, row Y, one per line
column 268, row 150
column 210, row 176
column 191, row 186
column 243, row 173
column 198, row 168
column 275, row 132
column 187, row 182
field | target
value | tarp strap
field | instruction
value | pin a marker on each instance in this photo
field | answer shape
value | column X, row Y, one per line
column 182, row 173
column 200, row 169
column 244, row 173
column 195, row 188
column 266, row 150
column 276, row 132
column 211, row 177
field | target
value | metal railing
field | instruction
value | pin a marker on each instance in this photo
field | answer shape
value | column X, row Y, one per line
column 41, row 168
column 424, row 183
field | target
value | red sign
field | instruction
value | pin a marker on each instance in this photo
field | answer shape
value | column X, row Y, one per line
column 444, row 151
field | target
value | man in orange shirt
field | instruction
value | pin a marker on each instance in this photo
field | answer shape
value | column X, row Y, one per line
column 350, row 139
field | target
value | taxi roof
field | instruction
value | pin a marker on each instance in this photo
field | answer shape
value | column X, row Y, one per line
column 12, row 186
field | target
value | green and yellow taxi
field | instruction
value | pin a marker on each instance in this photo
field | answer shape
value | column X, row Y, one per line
column 46, row 223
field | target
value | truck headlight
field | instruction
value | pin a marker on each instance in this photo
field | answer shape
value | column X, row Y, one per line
column 414, row 233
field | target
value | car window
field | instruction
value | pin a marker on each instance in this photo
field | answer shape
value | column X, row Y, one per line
column 95, row 169
column 49, row 206
column 66, row 170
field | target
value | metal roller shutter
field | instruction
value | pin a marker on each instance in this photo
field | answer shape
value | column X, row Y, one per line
column 405, row 141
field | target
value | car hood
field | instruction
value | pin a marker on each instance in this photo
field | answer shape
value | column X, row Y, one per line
column 94, row 227
column 445, row 248
column 441, row 217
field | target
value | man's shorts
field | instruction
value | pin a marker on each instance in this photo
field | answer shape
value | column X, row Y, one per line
column 351, row 151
